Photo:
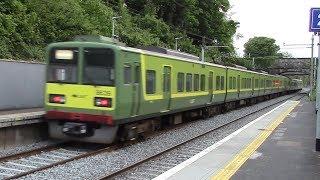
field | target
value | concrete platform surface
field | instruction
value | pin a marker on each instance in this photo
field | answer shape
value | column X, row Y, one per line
column 223, row 159
column 289, row 153
column 20, row 117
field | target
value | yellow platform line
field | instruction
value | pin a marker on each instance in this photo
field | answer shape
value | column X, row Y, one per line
column 233, row 165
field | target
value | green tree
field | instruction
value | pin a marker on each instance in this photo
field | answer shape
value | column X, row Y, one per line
column 27, row 27
column 263, row 49
column 285, row 55
column 191, row 17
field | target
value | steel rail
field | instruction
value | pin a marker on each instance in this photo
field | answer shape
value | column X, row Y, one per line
column 32, row 152
column 91, row 153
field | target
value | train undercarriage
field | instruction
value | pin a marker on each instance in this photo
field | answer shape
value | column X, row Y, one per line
column 106, row 134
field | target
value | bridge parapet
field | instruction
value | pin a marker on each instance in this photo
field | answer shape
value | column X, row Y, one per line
column 290, row 66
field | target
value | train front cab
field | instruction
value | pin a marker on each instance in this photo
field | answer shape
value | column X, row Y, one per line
column 80, row 96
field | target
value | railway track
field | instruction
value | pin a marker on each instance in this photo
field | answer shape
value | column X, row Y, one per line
column 22, row 164
column 187, row 152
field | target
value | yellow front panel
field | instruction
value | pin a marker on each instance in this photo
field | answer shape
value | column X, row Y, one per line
column 80, row 96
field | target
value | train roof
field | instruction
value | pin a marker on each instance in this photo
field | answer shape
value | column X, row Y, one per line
column 170, row 52
column 160, row 52
column 142, row 51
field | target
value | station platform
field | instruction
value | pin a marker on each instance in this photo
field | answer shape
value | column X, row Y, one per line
column 20, row 117
column 278, row 145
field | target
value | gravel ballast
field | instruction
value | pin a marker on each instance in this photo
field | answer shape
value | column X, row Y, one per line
column 99, row 165
column 27, row 147
column 157, row 166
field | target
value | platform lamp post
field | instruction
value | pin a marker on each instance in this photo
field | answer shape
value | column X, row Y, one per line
column 113, row 25
column 176, row 39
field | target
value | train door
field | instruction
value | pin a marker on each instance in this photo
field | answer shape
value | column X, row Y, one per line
column 238, row 85
column 136, row 93
column 167, row 86
column 211, row 86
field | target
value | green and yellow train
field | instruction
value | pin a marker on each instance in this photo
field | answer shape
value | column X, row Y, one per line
column 101, row 91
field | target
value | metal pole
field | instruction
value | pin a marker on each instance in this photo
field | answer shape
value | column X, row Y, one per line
column 202, row 48
column 113, row 25
column 311, row 66
column 176, row 45
column 253, row 62
column 318, row 100
column 202, row 53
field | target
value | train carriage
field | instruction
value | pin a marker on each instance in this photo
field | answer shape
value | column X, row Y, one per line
column 100, row 91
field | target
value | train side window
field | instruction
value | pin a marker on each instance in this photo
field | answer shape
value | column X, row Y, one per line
column 180, row 84
column 246, row 83
column 238, row 82
column 230, row 83
column 127, row 74
column 267, row 83
column 222, row 83
column 218, row 82
column 210, row 82
column 188, row 82
column 137, row 74
column 243, row 83
column 196, row 82
column 252, row 83
column 234, row 83
column 256, row 83
column 203, row 82
column 151, row 82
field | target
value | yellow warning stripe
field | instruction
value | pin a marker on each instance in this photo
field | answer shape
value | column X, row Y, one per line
column 241, row 158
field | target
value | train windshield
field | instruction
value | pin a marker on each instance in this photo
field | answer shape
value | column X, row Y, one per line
column 62, row 66
column 98, row 66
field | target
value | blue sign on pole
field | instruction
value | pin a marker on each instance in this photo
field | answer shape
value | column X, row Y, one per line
column 314, row 20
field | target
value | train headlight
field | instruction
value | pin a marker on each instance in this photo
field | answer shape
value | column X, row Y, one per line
column 102, row 102
column 57, row 98
column 65, row 129
column 83, row 129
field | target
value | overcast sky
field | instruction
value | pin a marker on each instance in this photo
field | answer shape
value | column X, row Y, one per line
column 287, row 21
